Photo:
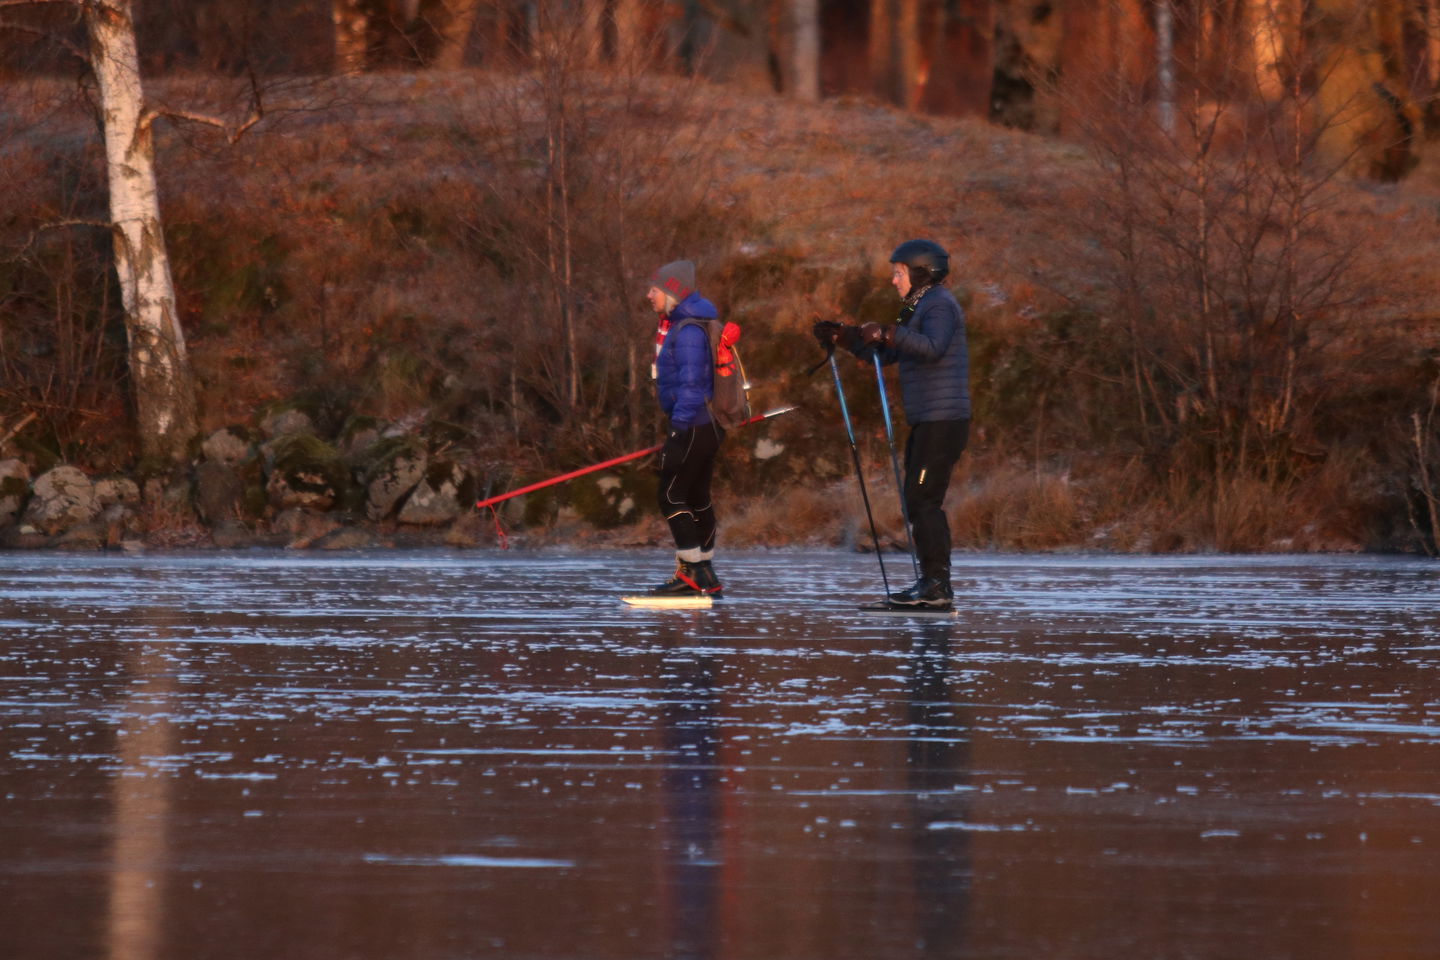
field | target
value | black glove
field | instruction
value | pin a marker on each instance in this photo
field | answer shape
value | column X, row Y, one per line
column 826, row 332
column 877, row 335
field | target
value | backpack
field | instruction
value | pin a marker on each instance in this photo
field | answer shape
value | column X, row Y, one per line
column 729, row 402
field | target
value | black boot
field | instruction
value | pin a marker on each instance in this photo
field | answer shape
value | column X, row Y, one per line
column 707, row 581
column 930, row 592
column 685, row 583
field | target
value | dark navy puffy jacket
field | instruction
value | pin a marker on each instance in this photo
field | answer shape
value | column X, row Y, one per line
column 934, row 360
column 684, row 370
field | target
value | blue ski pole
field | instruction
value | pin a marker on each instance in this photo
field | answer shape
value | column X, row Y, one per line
column 859, row 471
column 895, row 460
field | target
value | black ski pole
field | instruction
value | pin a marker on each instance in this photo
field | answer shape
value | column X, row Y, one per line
column 895, row 460
column 859, row 471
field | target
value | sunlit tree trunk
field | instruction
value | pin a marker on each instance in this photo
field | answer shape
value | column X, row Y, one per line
column 1268, row 47
column 352, row 34
column 1432, row 43
column 805, row 48
column 911, row 85
column 1165, row 64
column 630, row 40
column 895, row 51
column 163, row 387
column 879, row 56
column 592, row 30
column 460, row 16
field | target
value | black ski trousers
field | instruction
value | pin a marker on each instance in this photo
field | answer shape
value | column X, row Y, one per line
column 687, row 462
column 931, row 452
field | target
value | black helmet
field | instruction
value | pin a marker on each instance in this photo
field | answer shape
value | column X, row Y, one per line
column 926, row 254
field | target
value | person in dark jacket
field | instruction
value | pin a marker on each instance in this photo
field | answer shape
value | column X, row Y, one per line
column 928, row 344
column 684, row 380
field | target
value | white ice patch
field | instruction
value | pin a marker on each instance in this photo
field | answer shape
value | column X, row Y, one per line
column 471, row 860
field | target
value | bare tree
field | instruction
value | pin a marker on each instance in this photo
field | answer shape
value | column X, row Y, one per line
column 586, row 180
column 164, row 387
column 1225, row 270
column 161, row 381
column 162, row 384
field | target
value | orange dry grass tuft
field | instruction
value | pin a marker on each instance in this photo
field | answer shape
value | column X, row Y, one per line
column 1012, row 508
column 833, row 515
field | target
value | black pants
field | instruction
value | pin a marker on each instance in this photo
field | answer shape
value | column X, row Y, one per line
column 931, row 452
column 687, row 462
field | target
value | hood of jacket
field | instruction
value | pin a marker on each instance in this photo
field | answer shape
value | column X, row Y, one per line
column 693, row 307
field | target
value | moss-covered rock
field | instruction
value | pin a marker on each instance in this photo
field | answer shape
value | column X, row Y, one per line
column 63, row 497
column 359, row 433
column 446, row 490
column 307, row 472
column 228, row 445
column 14, row 488
column 611, row 500
column 286, row 421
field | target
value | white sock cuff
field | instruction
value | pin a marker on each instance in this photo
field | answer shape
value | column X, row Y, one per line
column 693, row 555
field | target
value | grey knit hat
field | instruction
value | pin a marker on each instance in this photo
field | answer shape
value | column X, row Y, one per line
column 676, row 279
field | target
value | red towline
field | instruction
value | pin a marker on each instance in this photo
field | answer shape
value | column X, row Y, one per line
column 491, row 501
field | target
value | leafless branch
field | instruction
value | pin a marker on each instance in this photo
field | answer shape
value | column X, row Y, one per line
column 24, row 422
column 29, row 243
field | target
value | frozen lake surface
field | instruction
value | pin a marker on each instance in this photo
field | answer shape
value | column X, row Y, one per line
column 452, row 755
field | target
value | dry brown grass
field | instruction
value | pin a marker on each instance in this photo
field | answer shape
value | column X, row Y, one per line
column 333, row 249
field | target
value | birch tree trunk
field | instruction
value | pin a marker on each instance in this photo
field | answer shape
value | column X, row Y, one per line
column 162, row 383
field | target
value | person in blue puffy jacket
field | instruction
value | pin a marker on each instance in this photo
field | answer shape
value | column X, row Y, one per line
column 929, row 346
column 684, row 373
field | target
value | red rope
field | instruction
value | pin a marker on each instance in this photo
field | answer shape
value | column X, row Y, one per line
column 500, row 536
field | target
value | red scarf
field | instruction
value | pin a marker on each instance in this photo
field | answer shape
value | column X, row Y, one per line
column 660, row 332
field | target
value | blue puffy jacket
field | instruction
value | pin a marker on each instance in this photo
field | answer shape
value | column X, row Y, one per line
column 684, row 370
column 934, row 360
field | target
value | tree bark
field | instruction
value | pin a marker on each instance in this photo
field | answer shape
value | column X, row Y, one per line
column 460, row 16
column 1267, row 27
column 1432, row 43
column 352, row 34
column 911, row 83
column 161, row 380
column 1165, row 64
column 960, row 58
column 805, row 49
column 630, row 39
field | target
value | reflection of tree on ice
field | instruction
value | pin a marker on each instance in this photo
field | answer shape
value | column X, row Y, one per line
column 691, row 731
column 938, row 761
